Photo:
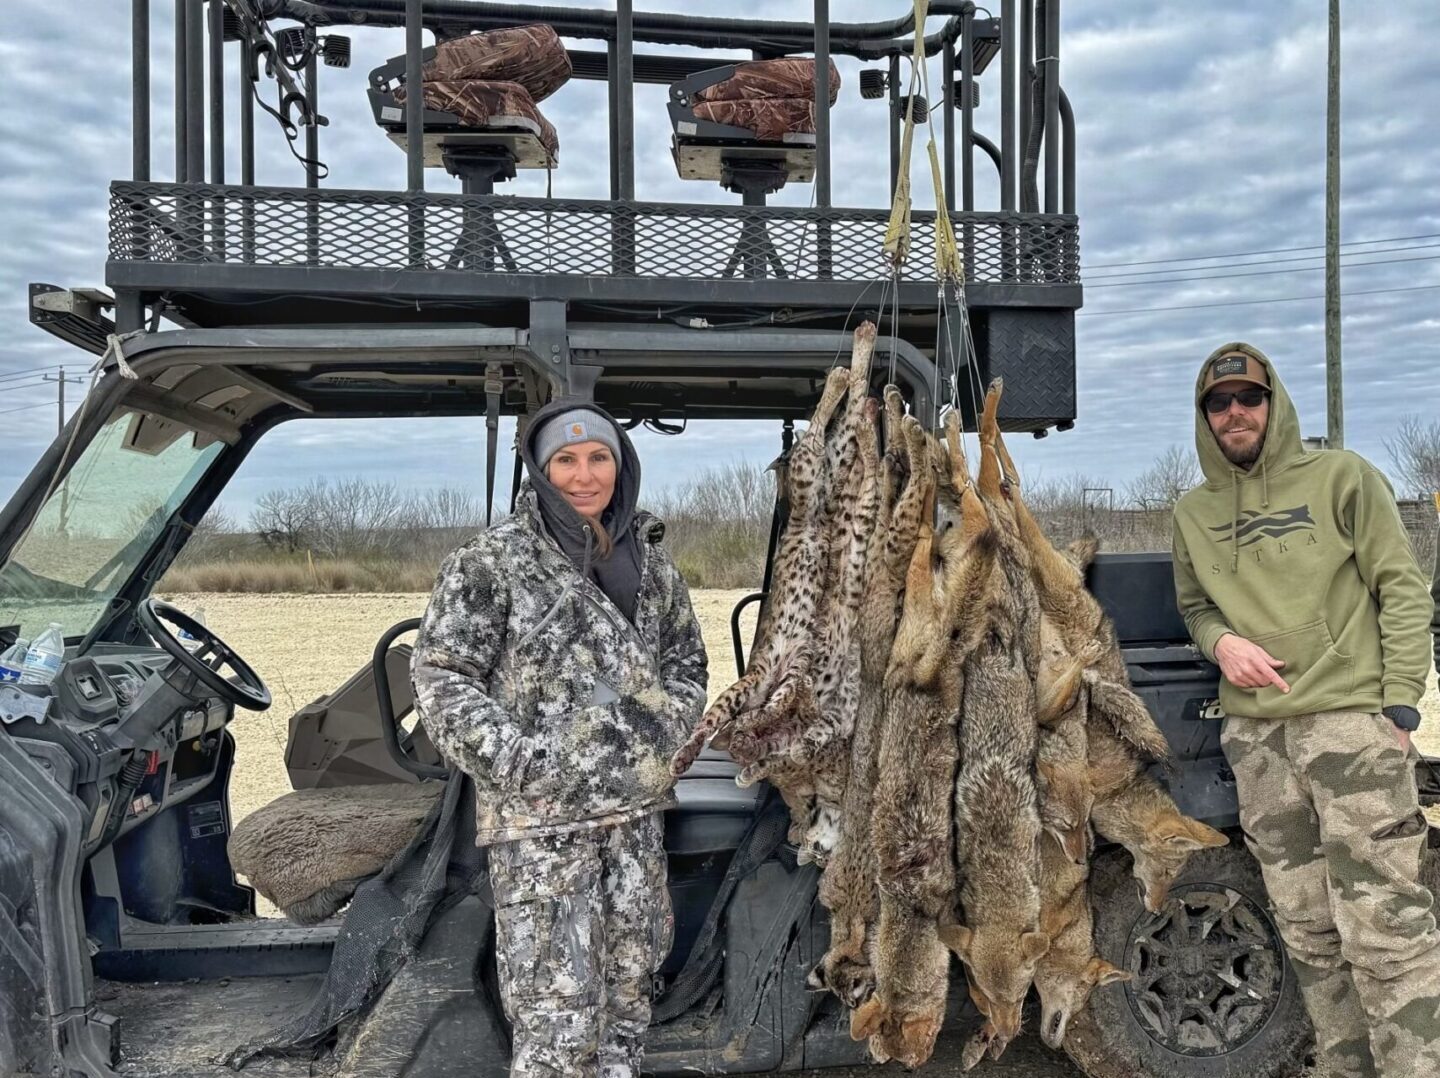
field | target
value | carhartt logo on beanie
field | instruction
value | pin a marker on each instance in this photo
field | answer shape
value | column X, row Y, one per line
column 571, row 428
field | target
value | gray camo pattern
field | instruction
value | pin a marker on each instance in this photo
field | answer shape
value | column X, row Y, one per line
column 530, row 679
column 582, row 921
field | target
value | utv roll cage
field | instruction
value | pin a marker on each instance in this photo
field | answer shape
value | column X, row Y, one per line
column 327, row 301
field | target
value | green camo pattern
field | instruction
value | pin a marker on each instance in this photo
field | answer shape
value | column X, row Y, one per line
column 1331, row 811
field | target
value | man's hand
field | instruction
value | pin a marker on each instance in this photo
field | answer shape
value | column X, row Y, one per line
column 1404, row 736
column 1246, row 665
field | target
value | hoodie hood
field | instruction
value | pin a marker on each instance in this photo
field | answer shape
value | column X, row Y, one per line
column 1282, row 433
column 1281, row 450
column 619, row 574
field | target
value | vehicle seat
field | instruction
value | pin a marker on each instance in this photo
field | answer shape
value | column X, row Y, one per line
column 713, row 813
column 760, row 113
column 308, row 850
column 481, row 91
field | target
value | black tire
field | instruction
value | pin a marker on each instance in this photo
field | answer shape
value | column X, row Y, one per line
column 1144, row 1029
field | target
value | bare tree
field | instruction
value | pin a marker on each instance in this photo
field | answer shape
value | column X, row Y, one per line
column 1414, row 452
column 1170, row 475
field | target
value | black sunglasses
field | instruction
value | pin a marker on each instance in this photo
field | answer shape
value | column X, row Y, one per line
column 1216, row 403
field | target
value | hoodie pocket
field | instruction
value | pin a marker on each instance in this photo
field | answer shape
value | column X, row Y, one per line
column 1309, row 653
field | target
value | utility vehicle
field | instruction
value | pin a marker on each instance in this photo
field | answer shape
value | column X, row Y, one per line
column 126, row 943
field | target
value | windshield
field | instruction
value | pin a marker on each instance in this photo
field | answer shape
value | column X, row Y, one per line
column 100, row 523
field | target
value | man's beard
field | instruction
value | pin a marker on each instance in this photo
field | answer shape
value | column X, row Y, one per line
column 1243, row 457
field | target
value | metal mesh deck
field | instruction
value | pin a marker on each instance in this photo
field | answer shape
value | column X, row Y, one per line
column 376, row 230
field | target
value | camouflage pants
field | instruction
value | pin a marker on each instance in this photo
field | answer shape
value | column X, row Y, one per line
column 1329, row 806
column 582, row 923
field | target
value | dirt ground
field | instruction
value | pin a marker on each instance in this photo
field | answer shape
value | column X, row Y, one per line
column 306, row 645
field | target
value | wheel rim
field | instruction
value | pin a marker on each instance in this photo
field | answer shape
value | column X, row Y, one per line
column 1208, row 970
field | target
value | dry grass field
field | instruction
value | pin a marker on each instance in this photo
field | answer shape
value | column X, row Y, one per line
column 306, row 645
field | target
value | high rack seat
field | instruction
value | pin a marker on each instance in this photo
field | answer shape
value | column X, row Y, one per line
column 759, row 114
column 481, row 93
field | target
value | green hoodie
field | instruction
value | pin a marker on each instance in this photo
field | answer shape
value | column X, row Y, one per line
column 1305, row 555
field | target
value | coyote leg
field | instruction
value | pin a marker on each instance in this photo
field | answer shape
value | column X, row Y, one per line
column 1127, row 715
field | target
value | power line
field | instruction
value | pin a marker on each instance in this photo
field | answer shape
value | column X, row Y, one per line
column 31, row 373
column 1271, row 251
column 27, row 407
column 1253, row 302
column 1265, row 262
column 1262, row 273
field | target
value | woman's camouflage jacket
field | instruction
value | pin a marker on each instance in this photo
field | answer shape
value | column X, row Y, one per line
column 532, row 681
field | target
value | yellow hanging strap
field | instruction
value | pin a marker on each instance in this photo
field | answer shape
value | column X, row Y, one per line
column 897, row 236
column 947, row 255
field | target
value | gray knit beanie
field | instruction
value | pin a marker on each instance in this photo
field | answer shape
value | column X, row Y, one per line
column 571, row 428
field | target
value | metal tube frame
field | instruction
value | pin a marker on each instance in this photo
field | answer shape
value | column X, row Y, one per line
column 414, row 129
column 182, row 127
column 625, row 95
column 140, row 89
column 822, row 103
column 948, row 101
column 195, row 90
column 1051, row 75
column 967, row 115
column 894, row 123
column 1007, row 105
column 1026, row 75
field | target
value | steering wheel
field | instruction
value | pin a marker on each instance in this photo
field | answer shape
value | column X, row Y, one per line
column 207, row 660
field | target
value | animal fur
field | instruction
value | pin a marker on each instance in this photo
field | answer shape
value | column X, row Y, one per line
column 847, row 888
column 1141, row 817
column 1061, row 761
column 940, row 624
column 1070, row 970
column 997, row 819
column 1129, row 806
column 784, row 658
column 308, row 850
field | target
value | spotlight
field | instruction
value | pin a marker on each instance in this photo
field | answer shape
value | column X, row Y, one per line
column 917, row 107
column 234, row 27
column 294, row 44
column 873, row 83
column 335, row 50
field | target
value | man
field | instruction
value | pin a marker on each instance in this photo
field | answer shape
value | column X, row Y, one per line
column 1295, row 576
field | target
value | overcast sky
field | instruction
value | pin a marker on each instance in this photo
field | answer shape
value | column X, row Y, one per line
column 1201, row 135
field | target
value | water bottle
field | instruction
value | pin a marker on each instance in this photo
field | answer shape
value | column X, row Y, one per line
column 187, row 640
column 12, row 663
column 42, row 661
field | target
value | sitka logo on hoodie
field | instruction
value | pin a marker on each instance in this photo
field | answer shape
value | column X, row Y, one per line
column 1251, row 527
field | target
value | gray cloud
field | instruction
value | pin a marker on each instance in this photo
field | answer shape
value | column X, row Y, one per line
column 1201, row 132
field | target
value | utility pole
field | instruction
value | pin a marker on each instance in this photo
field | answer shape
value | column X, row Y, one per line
column 1334, row 389
column 59, row 379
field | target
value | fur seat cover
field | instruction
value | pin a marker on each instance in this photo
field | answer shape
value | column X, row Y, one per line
column 308, row 850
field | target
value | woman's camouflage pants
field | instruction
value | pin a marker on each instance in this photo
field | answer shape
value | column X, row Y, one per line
column 1330, row 809
column 582, row 924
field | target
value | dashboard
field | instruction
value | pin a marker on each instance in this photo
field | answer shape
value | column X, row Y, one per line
column 76, row 737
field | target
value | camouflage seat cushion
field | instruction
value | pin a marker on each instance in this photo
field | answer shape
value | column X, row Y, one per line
column 308, row 850
column 480, row 104
column 773, row 98
column 531, row 56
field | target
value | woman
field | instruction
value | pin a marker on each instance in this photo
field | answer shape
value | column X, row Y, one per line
column 560, row 665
